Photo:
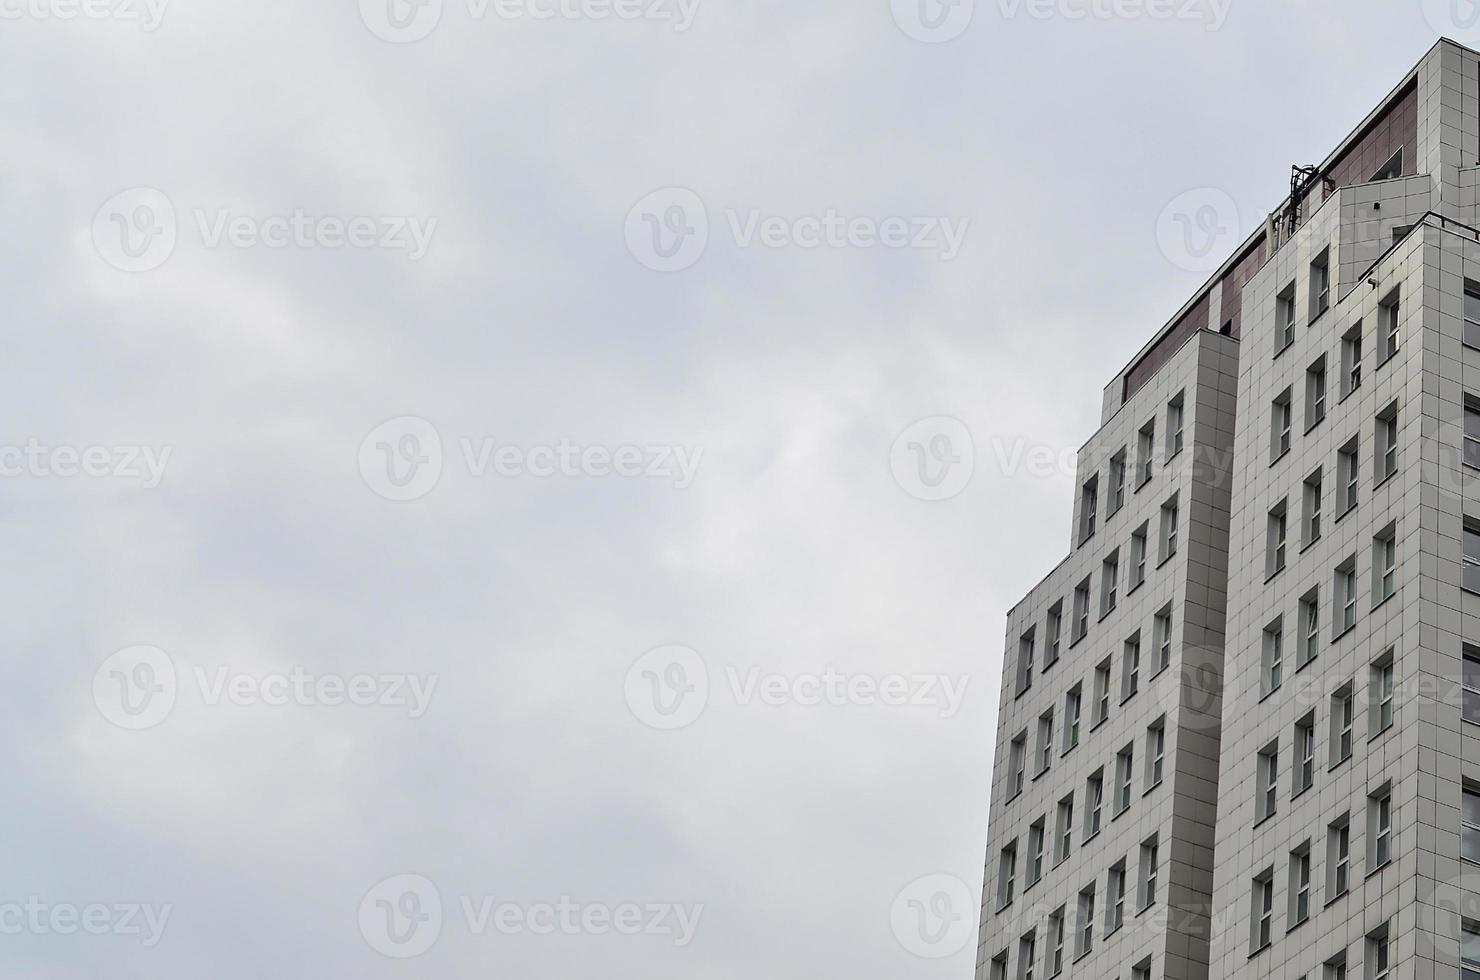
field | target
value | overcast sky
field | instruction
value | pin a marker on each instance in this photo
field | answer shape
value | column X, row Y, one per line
column 464, row 521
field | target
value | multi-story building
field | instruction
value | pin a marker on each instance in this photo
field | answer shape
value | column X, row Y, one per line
column 1239, row 732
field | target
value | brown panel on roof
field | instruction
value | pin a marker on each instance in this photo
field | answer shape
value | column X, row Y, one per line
column 1233, row 286
column 1394, row 130
column 1195, row 319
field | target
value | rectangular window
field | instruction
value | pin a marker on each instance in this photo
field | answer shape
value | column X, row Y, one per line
column 1346, row 595
column 1169, row 528
column 1342, row 717
column 1035, row 852
column 1163, row 628
column 1469, row 950
column 1109, row 582
column 1081, row 610
column 1389, row 330
column 1285, row 318
column 1379, row 955
column 1305, row 754
column 1102, row 693
column 1018, row 759
column 1312, row 520
column 1027, row 955
column 1174, row 424
column 1384, row 565
column 1299, row 884
column 1156, row 752
column 1066, row 829
column 1115, row 898
column 1335, row 969
column 1053, row 629
column 1089, row 497
column 1142, row 970
column 1315, row 393
column 1279, row 428
column 1006, row 875
column 1275, row 540
column 1073, row 702
column 1470, row 685
column 1056, row 943
column 1124, row 767
column 1380, row 828
column 1130, row 668
column 1310, row 626
column 1351, row 360
column 1138, row 556
column 1095, row 800
column 1145, row 453
column 999, row 967
column 1045, row 741
column 1025, row 663
column 1320, row 284
column 1266, row 790
column 1262, row 912
column 1117, row 482
column 1150, row 865
column 1084, row 922
column 1472, row 433
column 1470, row 569
column 1338, row 859
column 1380, row 689
column 1385, row 462
column 1469, row 832
column 1348, row 470
column 1472, row 315
column 1272, row 672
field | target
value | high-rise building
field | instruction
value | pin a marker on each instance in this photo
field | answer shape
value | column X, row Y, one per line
column 1239, row 732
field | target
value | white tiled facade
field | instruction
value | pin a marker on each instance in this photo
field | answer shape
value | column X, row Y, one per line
column 1254, row 874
